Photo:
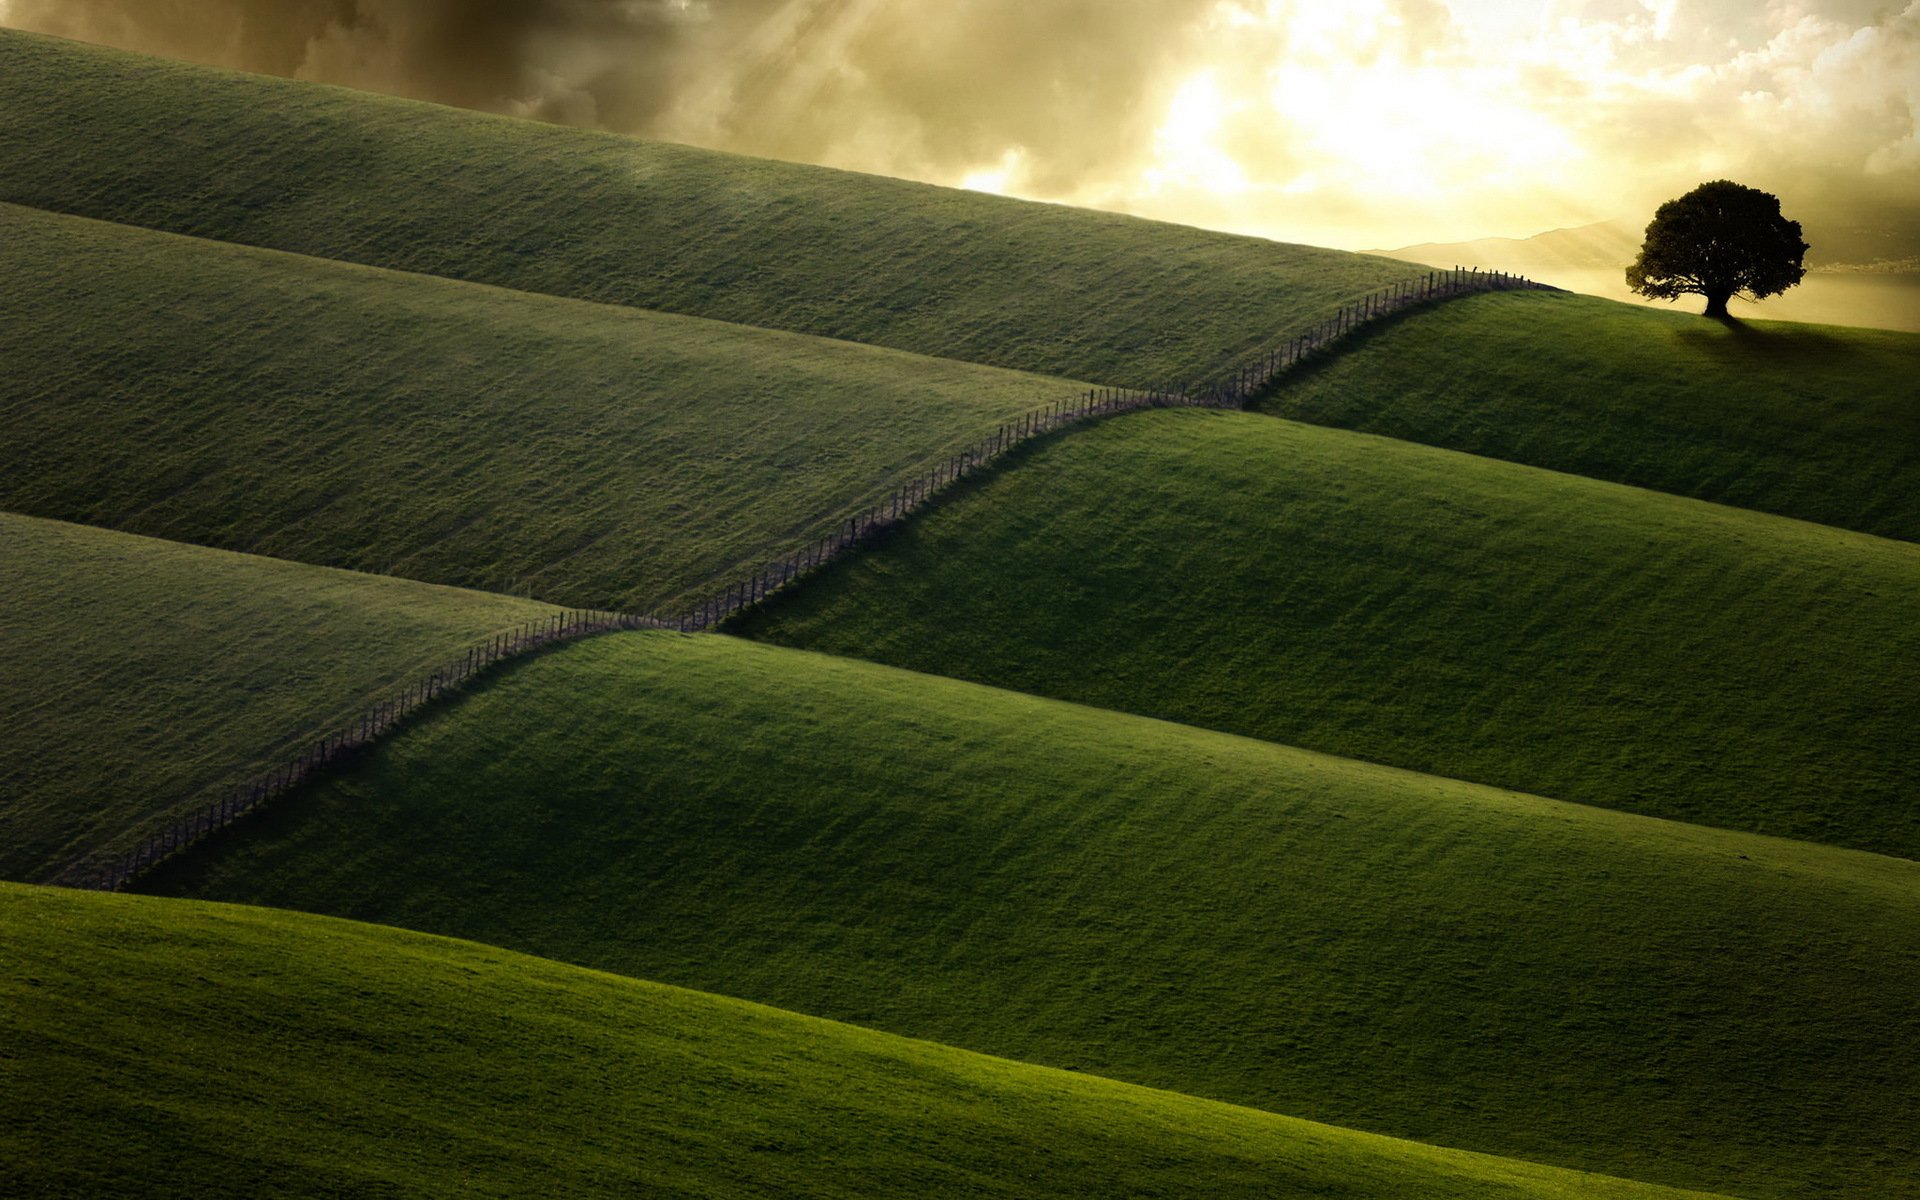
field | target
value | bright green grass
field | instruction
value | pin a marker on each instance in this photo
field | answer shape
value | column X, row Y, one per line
column 592, row 455
column 1189, row 910
column 1807, row 421
column 138, row 677
column 163, row 1048
column 1419, row 607
column 370, row 179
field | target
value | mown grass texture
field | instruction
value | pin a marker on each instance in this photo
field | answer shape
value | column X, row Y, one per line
column 595, row 456
column 165, row 1048
column 1418, row 607
column 347, row 175
column 1815, row 422
column 139, row 677
column 1190, row 910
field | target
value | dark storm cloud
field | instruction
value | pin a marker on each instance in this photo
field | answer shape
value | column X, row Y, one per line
column 1078, row 84
column 555, row 59
column 915, row 87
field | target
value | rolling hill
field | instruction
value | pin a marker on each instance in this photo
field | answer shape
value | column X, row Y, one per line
column 139, row 676
column 194, row 1050
column 1820, row 423
column 1183, row 909
column 1428, row 609
column 368, row 179
column 592, row 455
column 1523, row 542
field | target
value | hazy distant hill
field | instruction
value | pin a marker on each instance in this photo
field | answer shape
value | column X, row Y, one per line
column 1864, row 269
column 1602, row 244
column 1876, row 242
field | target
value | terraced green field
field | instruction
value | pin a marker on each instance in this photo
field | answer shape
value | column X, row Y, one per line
column 392, row 183
column 170, row 1044
column 587, row 454
column 1450, row 614
column 137, row 676
column 1189, row 910
column 1815, row 422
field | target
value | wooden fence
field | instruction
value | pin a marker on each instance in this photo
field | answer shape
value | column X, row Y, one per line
column 379, row 718
column 1229, row 387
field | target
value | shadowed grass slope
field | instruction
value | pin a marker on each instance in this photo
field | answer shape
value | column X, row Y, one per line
column 592, row 455
column 138, row 676
column 1179, row 908
column 1814, row 422
column 394, row 183
column 177, row 1049
column 1413, row 606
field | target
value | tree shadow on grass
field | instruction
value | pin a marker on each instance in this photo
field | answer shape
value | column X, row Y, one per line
column 1731, row 340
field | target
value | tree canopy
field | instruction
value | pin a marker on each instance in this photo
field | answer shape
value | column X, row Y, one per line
column 1720, row 240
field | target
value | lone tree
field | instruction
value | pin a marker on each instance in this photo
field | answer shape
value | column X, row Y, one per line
column 1720, row 240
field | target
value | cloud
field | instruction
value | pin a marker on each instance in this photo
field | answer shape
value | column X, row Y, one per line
column 597, row 63
column 1371, row 122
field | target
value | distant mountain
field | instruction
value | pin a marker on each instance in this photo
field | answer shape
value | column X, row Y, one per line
column 1602, row 244
column 1853, row 243
column 1863, row 265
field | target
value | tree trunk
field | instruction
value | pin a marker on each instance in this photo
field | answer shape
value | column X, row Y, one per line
column 1717, row 304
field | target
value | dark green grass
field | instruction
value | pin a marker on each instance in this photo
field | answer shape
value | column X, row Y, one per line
column 1432, row 610
column 164, row 1049
column 1807, row 421
column 346, row 175
column 596, row 456
column 138, row 677
column 1184, row 909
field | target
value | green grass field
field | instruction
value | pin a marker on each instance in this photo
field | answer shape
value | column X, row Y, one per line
column 587, row 454
column 190, row 1050
column 1814, row 422
column 1450, row 614
column 1532, row 542
column 137, row 677
column 345, row 175
column 1190, row 910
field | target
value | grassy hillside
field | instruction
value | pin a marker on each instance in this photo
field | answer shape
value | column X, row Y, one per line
column 1817, row 423
column 1189, row 910
column 138, row 675
column 179, row 1049
column 393, row 183
column 592, row 455
column 1449, row 614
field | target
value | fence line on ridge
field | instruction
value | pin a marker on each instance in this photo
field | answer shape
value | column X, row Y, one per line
column 1229, row 388
column 377, row 719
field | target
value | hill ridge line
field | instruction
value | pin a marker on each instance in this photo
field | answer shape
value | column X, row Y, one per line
column 557, row 297
column 1230, row 389
column 471, row 958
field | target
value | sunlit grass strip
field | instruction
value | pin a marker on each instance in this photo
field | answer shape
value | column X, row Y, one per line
column 181, row 1051
column 1142, row 900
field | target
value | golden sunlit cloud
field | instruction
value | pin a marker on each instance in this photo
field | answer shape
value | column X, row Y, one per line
column 1187, row 150
column 999, row 178
column 1371, row 123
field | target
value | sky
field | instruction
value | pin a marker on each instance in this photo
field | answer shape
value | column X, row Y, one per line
column 1367, row 124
